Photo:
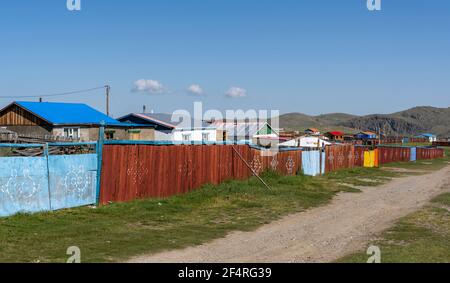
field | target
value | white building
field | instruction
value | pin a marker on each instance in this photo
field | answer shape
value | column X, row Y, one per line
column 176, row 128
column 245, row 131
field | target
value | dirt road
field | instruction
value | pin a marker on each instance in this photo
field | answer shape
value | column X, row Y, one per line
column 321, row 234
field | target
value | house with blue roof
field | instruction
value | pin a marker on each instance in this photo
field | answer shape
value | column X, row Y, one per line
column 75, row 121
column 430, row 137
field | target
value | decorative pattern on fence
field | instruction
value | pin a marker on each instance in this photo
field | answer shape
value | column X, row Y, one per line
column 33, row 184
column 146, row 170
column 150, row 171
column 339, row 157
column 394, row 154
column 23, row 185
column 359, row 155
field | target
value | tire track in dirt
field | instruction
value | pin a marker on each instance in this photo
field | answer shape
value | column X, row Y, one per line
column 321, row 234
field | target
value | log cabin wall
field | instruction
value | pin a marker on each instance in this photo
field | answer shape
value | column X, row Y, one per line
column 21, row 121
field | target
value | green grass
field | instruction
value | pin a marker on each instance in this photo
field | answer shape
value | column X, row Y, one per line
column 118, row 231
column 421, row 237
column 122, row 230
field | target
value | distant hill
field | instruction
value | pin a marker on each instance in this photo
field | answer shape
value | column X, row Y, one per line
column 409, row 122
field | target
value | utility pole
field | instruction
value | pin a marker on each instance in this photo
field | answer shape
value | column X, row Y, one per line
column 108, row 89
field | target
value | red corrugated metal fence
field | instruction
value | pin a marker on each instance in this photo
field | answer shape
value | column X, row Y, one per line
column 394, row 154
column 429, row 153
column 150, row 171
column 339, row 157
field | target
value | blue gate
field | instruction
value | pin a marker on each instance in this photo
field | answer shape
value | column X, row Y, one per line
column 52, row 182
column 23, row 185
column 413, row 154
column 311, row 163
column 72, row 180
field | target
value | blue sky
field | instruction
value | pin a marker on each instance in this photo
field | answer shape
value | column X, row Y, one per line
column 305, row 56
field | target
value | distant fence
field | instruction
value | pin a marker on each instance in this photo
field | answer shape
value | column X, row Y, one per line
column 399, row 140
column 390, row 154
column 137, row 171
column 33, row 184
column 429, row 153
column 440, row 143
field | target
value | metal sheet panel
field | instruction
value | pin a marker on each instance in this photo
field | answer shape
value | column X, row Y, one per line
column 23, row 185
column 413, row 151
column 132, row 172
column 339, row 157
column 312, row 164
column 73, row 180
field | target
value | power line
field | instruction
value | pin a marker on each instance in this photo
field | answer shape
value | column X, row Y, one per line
column 54, row 94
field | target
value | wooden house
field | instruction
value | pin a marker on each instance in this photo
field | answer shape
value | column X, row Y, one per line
column 78, row 122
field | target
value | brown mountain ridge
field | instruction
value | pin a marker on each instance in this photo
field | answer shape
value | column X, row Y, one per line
column 414, row 121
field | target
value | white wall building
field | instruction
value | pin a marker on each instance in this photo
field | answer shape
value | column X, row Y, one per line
column 176, row 128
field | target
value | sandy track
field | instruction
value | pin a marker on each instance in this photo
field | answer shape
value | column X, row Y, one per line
column 321, row 234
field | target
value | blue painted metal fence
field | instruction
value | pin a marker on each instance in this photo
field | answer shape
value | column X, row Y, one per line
column 23, row 185
column 312, row 164
column 52, row 182
column 413, row 154
column 72, row 180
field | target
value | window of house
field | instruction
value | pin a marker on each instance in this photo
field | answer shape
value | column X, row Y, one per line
column 72, row 133
column 205, row 136
column 186, row 137
column 109, row 135
column 135, row 135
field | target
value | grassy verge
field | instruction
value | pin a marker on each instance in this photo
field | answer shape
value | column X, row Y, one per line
column 421, row 237
column 119, row 231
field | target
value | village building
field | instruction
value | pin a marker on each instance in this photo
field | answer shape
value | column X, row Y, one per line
column 249, row 131
column 176, row 128
column 366, row 136
column 429, row 137
column 312, row 132
column 74, row 121
column 306, row 142
column 335, row 136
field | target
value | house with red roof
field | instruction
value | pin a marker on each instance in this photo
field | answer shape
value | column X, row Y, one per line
column 335, row 136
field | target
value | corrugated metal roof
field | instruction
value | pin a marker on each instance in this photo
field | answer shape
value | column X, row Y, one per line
column 336, row 133
column 249, row 129
column 171, row 121
column 67, row 113
column 427, row 135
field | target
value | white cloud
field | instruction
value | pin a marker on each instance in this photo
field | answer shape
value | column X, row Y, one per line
column 236, row 92
column 151, row 86
column 195, row 89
